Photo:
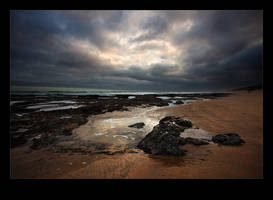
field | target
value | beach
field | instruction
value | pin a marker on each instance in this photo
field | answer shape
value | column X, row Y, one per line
column 72, row 156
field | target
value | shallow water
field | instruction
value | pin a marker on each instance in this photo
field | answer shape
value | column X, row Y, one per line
column 64, row 101
column 60, row 108
column 41, row 105
column 112, row 129
column 21, row 130
column 14, row 102
column 173, row 103
column 196, row 133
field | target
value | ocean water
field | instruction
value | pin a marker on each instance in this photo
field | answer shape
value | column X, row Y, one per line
column 42, row 91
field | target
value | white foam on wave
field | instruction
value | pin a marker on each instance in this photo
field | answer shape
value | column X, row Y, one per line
column 131, row 97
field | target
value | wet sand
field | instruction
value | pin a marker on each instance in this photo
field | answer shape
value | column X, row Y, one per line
column 239, row 113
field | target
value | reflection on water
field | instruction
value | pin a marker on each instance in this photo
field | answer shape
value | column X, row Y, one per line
column 115, row 131
column 111, row 129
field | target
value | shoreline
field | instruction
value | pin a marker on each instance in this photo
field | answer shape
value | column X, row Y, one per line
column 218, row 115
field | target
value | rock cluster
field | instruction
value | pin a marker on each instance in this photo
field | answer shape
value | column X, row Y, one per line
column 165, row 137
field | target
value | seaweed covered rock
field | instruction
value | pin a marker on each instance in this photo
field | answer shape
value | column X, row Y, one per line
column 228, row 139
column 137, row 125
column 165, row 138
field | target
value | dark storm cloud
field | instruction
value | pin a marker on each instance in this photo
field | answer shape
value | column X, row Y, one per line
column 201, row 50
column 153, row 27
column 225, row 33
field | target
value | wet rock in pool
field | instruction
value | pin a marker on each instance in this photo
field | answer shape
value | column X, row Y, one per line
column 137, row 125
column 164, row 139
column 228, row 139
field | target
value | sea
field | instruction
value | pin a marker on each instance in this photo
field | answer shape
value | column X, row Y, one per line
column 44, row 91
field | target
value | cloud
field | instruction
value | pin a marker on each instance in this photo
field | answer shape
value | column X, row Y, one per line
column 144, row 50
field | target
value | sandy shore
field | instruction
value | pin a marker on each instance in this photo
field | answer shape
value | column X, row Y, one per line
column 239, row 113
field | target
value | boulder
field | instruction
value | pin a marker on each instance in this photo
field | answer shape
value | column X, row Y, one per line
column 165, row 138
column 228, row 139
column 137, row 125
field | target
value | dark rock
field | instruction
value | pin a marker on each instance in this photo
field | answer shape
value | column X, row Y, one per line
column 181, row 141
column 176, row 120
column 228, row 139
column 137, row 125
column 67, row 132
column 36, row 143
column 164, row 139
column 195, row 141
column 17, row 140
column 184, row 123
column 168, row 119
column 45, row 140
column 179, row 102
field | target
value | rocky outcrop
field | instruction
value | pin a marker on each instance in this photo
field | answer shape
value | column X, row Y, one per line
column 44, row 140
column 165, row 137
column 137, row 125
column 228, row 139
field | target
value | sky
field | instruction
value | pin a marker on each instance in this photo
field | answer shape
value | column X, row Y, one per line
column 143, row 50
